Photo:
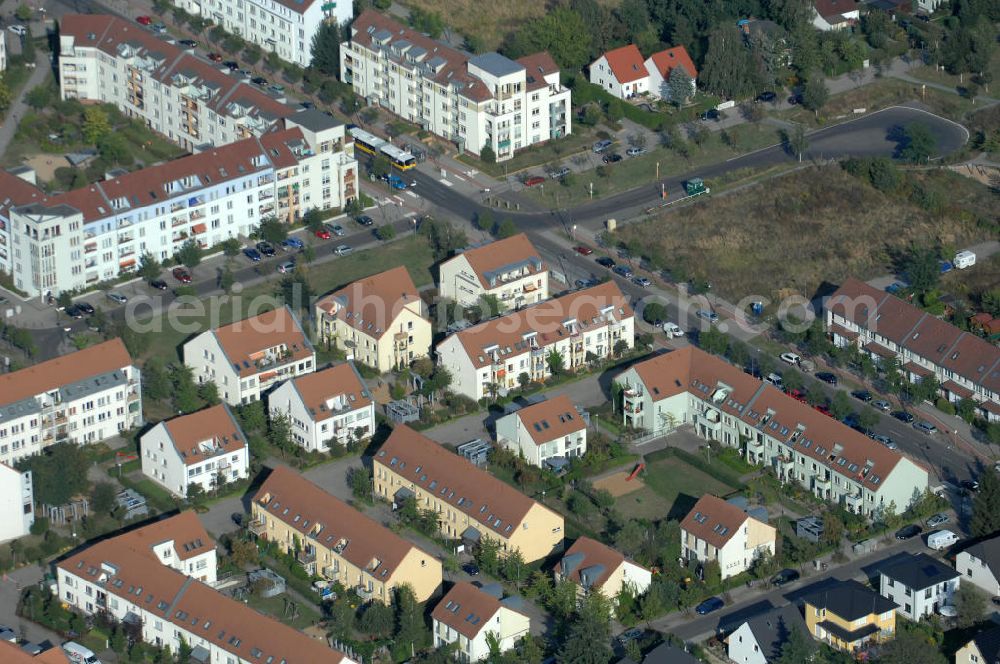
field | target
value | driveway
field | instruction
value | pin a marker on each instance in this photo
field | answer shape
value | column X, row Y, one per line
column 10, row 592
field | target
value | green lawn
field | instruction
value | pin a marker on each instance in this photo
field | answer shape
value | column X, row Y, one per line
column 634, row 171
column 680, row 485
column 579, row 142
column 275, row 607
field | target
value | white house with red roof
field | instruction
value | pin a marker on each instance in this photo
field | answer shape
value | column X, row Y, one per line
column 835, row 14
column 722, row 403
column 717, row 530
column 546, row 434
column 579, row 327
column 207, row 448
column 594, row 567
column 622, row 72
column 472, row 101
column 467, row 614
column 511, row 270
column 249, row 357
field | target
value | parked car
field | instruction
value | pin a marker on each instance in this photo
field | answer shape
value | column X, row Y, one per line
column 286, row 267
column 190, row 43
column 612, row 158
column 635, row 152
column 336, row 229
column 884, row 406
column 938, row 520
column 215, row 57
column 291, row 243
column 342, row 250
column 710, row 114
column 786, row 575
column 583, row 251
column 396, row 182
column 642, row 281
column 795, row 100
column 766, row 97
column 252, row 254
column 908, row 532
column 18, row 30
column 673, row 330
column 158, row 284
column 710, row 316
column 73, row 311
column 144, row 20
column 265, row 248
column 885, row 440
column 970, row 486
column 903, row 416
column 275, row 87
column 586, row 283
column 181, row 274
column 790, row 358
column 775, row 379
column 365, row 220
column 630, row 635
column 533, row 181
column 941, row 540
column 862, row 395
column 607, row 262
column 827, row 377
column 560, row 173
column 471, row 569
column 323, row 234
column 623, row 270
column 85, row 307
column 231, row 65
column 709, row 605
column 117, row 298
column 601, row 146
column 924, row 426
column 259, row 81
column 159, row 28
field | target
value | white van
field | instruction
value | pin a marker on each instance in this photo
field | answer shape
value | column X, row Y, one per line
column 79, row 654
column 964, row 259
column 941, row 540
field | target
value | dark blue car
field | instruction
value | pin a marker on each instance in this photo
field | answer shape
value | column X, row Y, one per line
column 709, row 605
column 252, row 254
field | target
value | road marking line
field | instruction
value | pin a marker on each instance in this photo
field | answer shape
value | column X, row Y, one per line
column 411, row 194
column 445, row 182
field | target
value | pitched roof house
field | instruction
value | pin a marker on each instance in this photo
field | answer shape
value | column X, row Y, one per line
column 466, row 614
column 547, row 433
column 594, row 566
column 717, row 530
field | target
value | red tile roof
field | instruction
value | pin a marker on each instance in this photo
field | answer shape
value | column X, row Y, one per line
column 215, row 426
column 666, row 60
column 626, row 64
column 316, row 389
column 834, row 9
column 587, row 554
column 244, row 342
column 371, row 305
column 713, row 520
column 11, row 653
column 467, row 609
column 501, row 256
column 184, row 529
column 537, row 67
column 551, row 419
column 91, row 362
column 546, row 320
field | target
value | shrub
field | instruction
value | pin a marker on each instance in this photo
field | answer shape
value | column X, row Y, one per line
column 945, row 406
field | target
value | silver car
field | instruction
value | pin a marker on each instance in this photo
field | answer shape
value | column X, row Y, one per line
column 938, row 520
column 117, row 298
column 342, row 250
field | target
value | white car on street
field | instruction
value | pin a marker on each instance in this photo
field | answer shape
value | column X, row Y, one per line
column 673, row 330
column 791, row 358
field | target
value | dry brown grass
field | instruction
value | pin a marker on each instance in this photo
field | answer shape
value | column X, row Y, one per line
column 809, row 227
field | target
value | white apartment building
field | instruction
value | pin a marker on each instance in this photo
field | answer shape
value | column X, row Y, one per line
column 717, row 530
column 247, row 358
column 581, row 326
column 545, row 434
column 188, row 99
column 327, row 408
column 919, row 584
column 285, row 27
column 980, row 565
column 77, row 239
column 724, row 404
column 17, row 503
column 473, row 101
column 596, row 567
column 510, row 270
column 206, row 448
column 886, row 327
column 84, row 397
column 466, row 614
column 131, row 582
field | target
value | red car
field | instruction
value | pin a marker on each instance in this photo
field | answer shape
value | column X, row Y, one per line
column 181, row 275
column 798, row 395
column 323, row 234
column 215, row 57
column 585, row 251
column 824, row 409
column 144, row 20
column 534, row 180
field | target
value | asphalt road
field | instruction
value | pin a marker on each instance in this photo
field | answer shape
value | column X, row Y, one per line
column 866, row 136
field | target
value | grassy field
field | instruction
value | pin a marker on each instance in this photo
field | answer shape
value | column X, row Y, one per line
column 933, row 75
column 634, row 171
column 412, row 252
column 579, row 142
column 275, row 608
column 672, row 488
column 803, row 229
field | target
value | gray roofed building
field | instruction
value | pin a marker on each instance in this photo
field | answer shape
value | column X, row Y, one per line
column 760, row 638
column 496, row 64
column 665, row 653
column 919, row 571
column 314, row 120
column 983, row 648
column 919, row 584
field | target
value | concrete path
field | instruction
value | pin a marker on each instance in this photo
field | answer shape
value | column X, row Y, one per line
column 18, row 108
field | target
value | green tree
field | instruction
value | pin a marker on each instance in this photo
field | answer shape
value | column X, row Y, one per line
column 227, row 279
column 428, row 22
column 679, row 85
column 559, row 32
column 713, row 341
column 190, row 254
column 156, row 384
column 209, row 393
column 910, row 647
column 555, row 362
column 588, row 639
column 360, row 481
column 918, row 144
column 729, row 70
column 230, row 247
column 615, row 111
column 381, row 166
column 868, row 418
column 513, row 567
column 272, row 230
column 971, row 604
column 840, row 405
column 986, row 505
column 410, row 629
column 489, row 305
column 815, row 94
column 797, row 141
column 102, row 497
column 922, row 270
column 326, row 49
column 279, row 431
column 24, row 13
column 149, row 267
column 95, row 124
column 5, row 95
column 654, row 311
column 506, row 229
column 485, row 220
column 186, row 397
column 797, row 648
column 385, row 232
column 40, row 96
column 488, row 155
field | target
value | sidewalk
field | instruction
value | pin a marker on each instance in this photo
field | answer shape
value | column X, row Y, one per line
column 18, row 108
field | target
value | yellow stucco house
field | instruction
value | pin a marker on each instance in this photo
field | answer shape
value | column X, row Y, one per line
column 334, row 540
column 849, row 616
column 982, row 649
column 472, row 504
column 379, row 320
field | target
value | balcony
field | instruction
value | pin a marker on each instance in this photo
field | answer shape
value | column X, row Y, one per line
column 306, row 557
column 257, row 527
column 125, row 238
column 197, row 214
column 854, row 503
column 364, row 593
column 822, row 483
column 178, row 206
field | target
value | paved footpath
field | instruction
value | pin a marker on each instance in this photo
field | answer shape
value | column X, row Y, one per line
column 18, row 108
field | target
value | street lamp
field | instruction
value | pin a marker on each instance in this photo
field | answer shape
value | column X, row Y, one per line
column 574, row 231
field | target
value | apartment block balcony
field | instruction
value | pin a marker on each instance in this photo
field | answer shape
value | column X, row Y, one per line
column 125, row 238
column 266, row 209
column 822, row 483
column 89, row 249
column 197, row 214
column 178, row 221
column 257, row 527
column 364, row 593
column 180, row 205
column 306, row 556
column 265, row 195
column 854, row 502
